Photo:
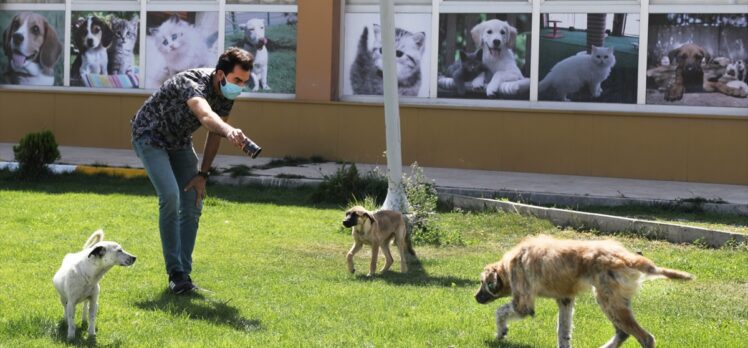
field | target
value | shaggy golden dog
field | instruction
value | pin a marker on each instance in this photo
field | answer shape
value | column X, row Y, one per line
column 562, row 269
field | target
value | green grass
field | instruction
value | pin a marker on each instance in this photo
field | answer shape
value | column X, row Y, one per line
column 276, row 265
column 692, row 217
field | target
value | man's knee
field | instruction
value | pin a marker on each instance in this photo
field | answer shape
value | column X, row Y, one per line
column 169, row 201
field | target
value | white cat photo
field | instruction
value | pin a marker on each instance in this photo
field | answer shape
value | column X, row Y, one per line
column 176, row 45
column 362, row 60
column 576, row 72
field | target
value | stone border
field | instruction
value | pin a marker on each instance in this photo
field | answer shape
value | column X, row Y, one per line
column 604, row 223
column 569, row 200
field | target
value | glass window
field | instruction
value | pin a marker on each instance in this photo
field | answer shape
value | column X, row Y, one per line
column 362, row 71
column 114, row 35
column 271, row 38
column 32, row 1
column 698, row 2
column 697, row 59
column 589, row 57
column 35, row 43
column 472, row 50
column 397, row 2
column 176, row 41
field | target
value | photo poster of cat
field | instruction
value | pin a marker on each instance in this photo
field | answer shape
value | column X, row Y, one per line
column 362, row 60
column 32, row 62
column 177, row 41
column 484, row 56
column 271, row 38
column 589, row 57
column 104, row 49
column 698, row 60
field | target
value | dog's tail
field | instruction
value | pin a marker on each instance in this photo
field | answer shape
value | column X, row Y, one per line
column 652, row 271
column 96, row 237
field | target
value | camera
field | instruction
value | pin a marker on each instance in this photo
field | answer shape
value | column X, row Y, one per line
column 250, row 148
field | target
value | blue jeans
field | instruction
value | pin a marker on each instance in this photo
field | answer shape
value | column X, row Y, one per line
column 170, row 171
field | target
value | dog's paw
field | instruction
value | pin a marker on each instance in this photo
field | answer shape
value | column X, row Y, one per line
column 502, row 333
column 369, row 275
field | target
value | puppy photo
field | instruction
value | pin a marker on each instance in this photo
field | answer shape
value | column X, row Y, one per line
column 78, row 278
column 32, row 48
column 255, row 42
column 697, row 59
column 543, row 266
column 377, row 229
column 497, row 39
column 91, row 36
column 484, row 56
column 263, row 33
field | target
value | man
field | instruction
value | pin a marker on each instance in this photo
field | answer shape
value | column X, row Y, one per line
column 162, row 138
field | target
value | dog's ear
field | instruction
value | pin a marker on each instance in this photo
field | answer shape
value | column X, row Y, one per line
column 706, row 55
column 673, row 55
column 370, row 216
column 6, row 40
column 97, row 251
column 51, row 49
column 106, row 33
column 512, row 36
column 476, row 33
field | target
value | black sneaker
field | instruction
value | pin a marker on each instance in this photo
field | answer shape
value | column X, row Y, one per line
column 179, row 283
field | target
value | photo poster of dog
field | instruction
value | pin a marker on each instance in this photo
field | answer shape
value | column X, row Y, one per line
column 271, row 38
column 32, row 44
column 177, row 41
column 484, row 56
column 589, row 57
column 362, row 70
column 698, row 59
column 104, row 49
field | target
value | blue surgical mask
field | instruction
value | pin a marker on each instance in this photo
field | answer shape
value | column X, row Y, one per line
column 230, row 90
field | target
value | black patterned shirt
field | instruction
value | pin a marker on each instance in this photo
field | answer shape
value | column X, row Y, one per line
column 166, row 121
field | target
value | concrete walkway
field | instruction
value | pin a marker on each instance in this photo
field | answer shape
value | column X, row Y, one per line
column 539, row 188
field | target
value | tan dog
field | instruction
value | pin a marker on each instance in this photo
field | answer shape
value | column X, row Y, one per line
column 687, row 60
column 377, row 229
column 562, row 269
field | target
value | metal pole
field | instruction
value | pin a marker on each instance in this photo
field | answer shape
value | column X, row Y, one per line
column 395, row 196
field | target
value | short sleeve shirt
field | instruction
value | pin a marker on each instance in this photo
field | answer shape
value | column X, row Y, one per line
column 166, row 121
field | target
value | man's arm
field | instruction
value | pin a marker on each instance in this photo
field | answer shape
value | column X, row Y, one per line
column 210, row 120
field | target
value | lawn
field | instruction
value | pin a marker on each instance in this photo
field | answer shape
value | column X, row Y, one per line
column 276, row 265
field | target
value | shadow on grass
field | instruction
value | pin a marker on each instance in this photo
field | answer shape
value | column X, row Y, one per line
column 198, row 307
column 105, row 184
column 418, row 276
column 493, row 343
column 40, row 327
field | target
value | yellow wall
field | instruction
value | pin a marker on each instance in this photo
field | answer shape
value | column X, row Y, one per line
column 666, row 147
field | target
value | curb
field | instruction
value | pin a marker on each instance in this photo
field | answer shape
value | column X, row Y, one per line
column 90, row 170
column 570, row 200
column 604, row 223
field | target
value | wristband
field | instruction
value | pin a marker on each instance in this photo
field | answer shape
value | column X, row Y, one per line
column 203, row 174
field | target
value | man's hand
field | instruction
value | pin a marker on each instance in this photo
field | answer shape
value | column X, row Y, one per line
column 198, row 183
column 236, row 137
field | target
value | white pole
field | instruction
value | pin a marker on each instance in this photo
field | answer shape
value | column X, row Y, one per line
column 395, row 197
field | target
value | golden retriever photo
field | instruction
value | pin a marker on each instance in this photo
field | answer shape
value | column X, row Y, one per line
column 543, row 266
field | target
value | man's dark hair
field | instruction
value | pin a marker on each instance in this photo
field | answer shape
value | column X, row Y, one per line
column 232, row 57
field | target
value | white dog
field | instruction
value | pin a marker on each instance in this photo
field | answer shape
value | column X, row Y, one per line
column 255, row 42
column 78, row 278
column 497, row 39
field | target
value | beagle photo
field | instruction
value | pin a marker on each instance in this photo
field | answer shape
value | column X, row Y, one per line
column 91, row 36
column 32, row 48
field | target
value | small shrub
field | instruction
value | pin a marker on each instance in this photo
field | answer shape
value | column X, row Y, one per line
column 346, row 184
column 423, row 199
column 238, row 170
column 34, row 152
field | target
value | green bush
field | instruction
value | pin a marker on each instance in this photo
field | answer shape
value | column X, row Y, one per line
column 423, row 198
column 34, row 152
column 347, row 185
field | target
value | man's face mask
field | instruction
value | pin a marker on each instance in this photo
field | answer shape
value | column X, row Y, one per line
column 230, row 90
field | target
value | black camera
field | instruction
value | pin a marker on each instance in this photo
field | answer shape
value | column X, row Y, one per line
column 250, row 148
